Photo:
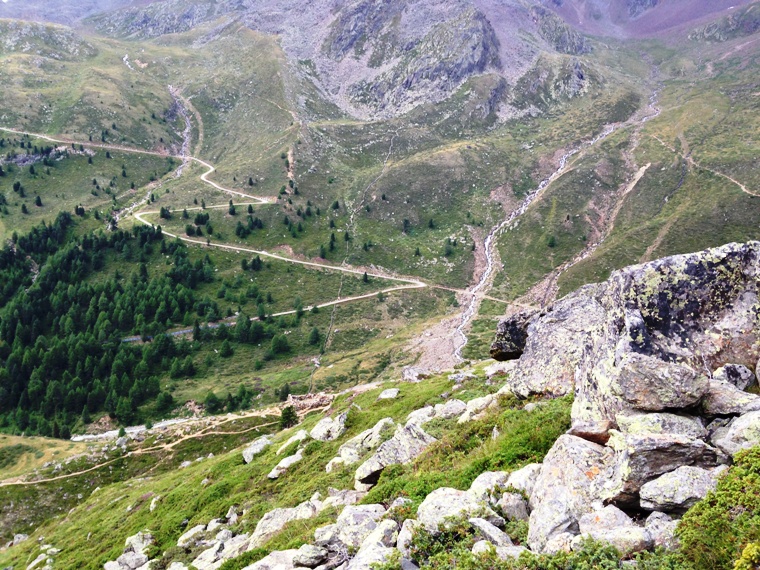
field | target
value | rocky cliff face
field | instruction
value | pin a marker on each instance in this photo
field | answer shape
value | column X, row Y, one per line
column 375, row 58
column 660, row 358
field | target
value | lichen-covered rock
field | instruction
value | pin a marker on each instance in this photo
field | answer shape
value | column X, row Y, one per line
column 642, row 339
column 358, row 446
column 649, row 383
column 511, row 335
column 274, row 521
column 611, row 525
column 356, row 522
column 639, row 423
column 445, row 503
column 189, row 535
column 132, row 558
column 421, row 416
column 256, row 447
column 524, row 479
column 724, row 398
column 680, row 489
column 310, row 556
column 740, row 433
column 513, row 507
column 488, row 483
column 736, row 374
column 285, row 464
column 557, row 340
column 341, row 498
column 277, row 560
column 639, row 458
column 662, row 530
column 329, row 429
column 490, row 532
column 405, row 535
column 406, row 444
column 568, row 486
column 477, row 406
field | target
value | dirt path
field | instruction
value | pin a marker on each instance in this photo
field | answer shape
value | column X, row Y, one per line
column 688, row 158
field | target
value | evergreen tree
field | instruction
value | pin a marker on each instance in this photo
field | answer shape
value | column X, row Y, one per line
column 314, row 336
column 288, row 417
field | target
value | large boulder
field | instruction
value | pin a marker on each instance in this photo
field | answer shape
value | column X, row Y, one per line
column 568, row 486
column 490, row 532
column 740, row 433
column 680, row 489
column 444, row 504
column 724, row 398
column 329, row 429
column 407, row 443
column 511, row 335
column 513, row 507
column 256, row 447
column 358, row 446
column 643, row 339
column 449, row 409
column 639, row 458
column 612, row 526
column 274, row 521
column 639, row 423
column 556, row 342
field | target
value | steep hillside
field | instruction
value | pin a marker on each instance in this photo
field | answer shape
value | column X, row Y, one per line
column 653, row 465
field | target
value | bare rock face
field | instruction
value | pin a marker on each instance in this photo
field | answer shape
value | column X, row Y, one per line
column 511, row 335
column 568, row 486
column 640, row 458
column 642, row 340
column 740, row 433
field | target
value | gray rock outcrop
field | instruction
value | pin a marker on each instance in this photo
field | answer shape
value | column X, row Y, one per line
column 358, row 446
column 285, row 464
column 407, row 443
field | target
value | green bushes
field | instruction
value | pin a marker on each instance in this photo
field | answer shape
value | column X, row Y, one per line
column 462, row 454
column 716, row 530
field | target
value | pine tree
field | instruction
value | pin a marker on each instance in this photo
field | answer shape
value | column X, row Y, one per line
column 314, row 336
column 288, row 417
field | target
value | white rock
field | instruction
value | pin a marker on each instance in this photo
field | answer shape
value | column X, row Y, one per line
column 445, row 503
column 329, row 429
column 277, row 560
column 285, row 464
column 272, row 522
column 450, row 409
column 405, row 535
column 525, row 478
column 662, row 530
column 188, row 536
column 514, row 507
column 421, row 416
column 489, row 483
column 389, row 394
column 310, row 556
column 300, row 436
column 477, row 406
column 490, row 532
column 255, row 447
